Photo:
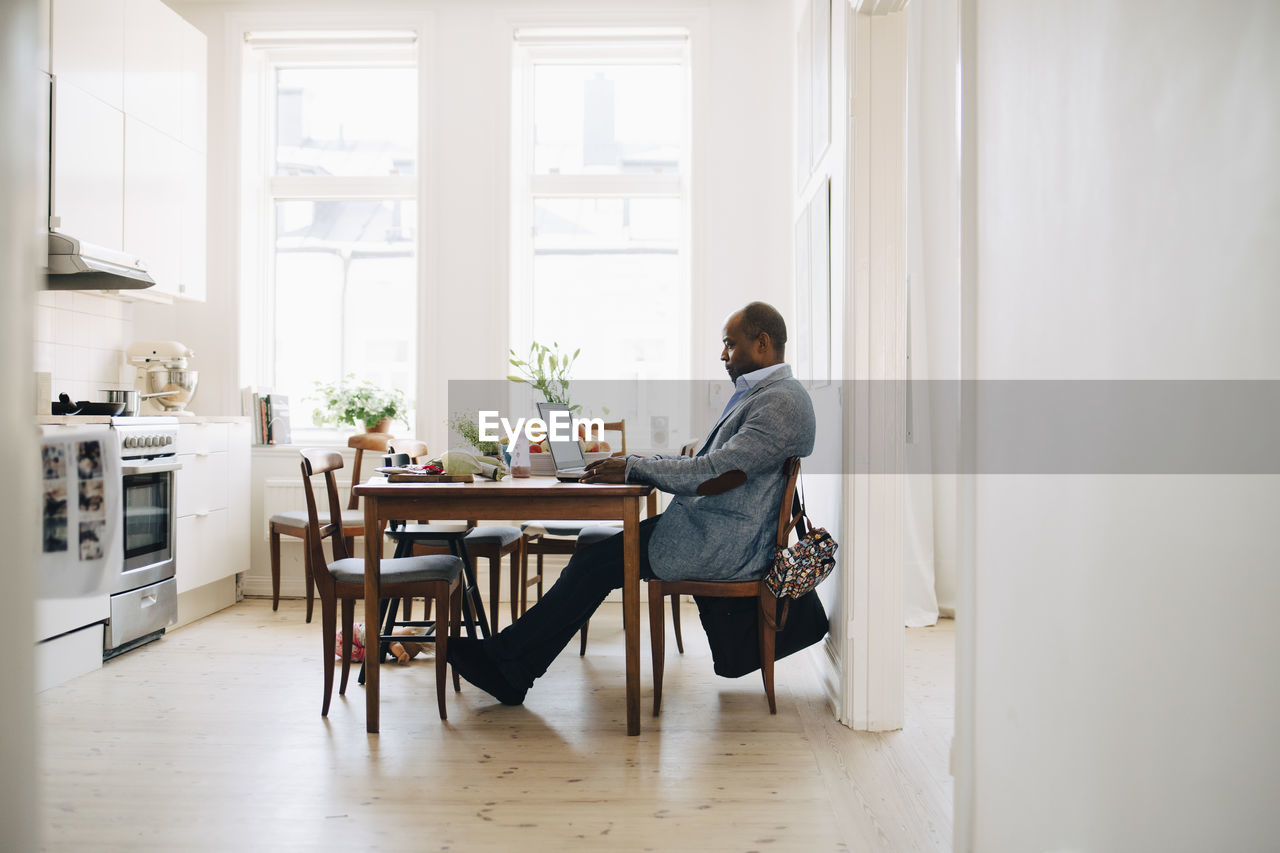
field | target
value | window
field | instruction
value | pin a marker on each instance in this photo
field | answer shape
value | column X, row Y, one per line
column 600, row 200
column 331, row 214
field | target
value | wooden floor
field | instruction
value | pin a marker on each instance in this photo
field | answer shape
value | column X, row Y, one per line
column 211, row 739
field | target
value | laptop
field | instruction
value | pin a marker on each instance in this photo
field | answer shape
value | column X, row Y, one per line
column 565, row 455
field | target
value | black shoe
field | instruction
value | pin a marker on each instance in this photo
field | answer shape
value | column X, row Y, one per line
column 468, row 658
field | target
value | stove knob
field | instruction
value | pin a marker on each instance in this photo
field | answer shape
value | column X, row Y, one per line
column 129, row 442
column 168, row 439
column 150, row 441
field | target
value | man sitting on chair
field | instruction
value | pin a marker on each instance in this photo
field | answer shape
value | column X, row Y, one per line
column 720, row 526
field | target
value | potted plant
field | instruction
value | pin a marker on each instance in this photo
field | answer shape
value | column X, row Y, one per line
column 466, row 428
column 359, row 403
column 547, row 370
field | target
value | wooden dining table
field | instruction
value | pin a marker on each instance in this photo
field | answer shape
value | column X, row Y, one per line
column 535, row 497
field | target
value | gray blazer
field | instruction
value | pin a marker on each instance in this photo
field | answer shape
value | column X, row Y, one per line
column 729, row 536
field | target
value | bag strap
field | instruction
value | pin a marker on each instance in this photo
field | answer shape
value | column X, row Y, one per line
column 799, row 518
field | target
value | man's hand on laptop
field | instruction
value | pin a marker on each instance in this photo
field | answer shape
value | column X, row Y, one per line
column 611, row 470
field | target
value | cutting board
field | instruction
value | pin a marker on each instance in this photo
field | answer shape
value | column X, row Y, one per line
column 407, row 477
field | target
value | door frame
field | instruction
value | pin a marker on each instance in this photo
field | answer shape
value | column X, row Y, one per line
column 875, row 49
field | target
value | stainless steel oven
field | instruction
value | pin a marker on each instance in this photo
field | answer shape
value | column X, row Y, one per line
column 144, row 597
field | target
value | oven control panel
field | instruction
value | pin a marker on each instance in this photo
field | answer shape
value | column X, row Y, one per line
column 147, row 438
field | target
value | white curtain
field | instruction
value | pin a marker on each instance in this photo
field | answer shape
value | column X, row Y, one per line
column 933, row 268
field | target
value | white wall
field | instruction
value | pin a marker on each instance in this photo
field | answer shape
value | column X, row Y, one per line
column 80, row 338
column 20, row 227
column 1124, row 680
column 742, row 222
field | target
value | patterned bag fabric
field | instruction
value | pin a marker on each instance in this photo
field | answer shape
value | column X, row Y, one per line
column 804, row 565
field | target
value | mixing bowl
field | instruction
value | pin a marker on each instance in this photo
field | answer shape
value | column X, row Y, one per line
column 179, row 380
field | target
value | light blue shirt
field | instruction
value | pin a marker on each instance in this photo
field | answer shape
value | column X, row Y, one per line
column 743, row 384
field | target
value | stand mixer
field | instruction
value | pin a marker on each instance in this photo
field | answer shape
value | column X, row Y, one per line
column 164, row 381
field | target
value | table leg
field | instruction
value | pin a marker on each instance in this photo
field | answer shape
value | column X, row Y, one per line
column 631, row 607
column 372, row 558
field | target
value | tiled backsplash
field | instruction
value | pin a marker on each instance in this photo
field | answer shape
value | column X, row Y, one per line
column 80, row 339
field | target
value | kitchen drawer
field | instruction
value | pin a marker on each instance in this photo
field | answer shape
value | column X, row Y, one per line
column 203, row 438
column 201, row 483
column 204, row 551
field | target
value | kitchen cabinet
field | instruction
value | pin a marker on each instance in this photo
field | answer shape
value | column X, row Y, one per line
column 191, row 279
column 211, row 502
column 87, row 44
column 87, row 185
column 195, row 90
column 152, row 203
column 154, row 41
column 129, row 136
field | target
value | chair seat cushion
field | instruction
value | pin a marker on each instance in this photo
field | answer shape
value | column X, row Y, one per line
column 432, row 567
column 560, row 528
column 485, row 535
column 298, row 518
column 596, row 533
column 442, row 532
column 493, row 535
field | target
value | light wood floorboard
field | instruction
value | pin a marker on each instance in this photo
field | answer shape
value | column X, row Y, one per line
column 211, row 739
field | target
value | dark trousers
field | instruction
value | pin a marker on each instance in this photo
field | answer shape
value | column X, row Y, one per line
column 526, row 647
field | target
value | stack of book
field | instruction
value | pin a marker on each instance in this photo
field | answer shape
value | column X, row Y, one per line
column 269, row 414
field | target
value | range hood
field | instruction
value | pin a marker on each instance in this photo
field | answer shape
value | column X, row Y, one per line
column 74, row 265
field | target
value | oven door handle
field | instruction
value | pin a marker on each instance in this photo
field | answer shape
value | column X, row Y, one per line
column 157, row 467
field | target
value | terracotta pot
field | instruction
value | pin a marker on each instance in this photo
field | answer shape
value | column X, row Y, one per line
column 383, row 425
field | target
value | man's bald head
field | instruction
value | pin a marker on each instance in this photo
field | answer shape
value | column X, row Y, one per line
column 762, row 318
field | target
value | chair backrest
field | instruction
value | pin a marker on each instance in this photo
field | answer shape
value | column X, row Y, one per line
column 319, row 461
column 788, row 515
column 619, row 427
column 415, row 450
column 362, row 441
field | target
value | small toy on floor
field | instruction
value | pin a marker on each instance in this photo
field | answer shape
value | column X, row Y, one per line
column 402, row 651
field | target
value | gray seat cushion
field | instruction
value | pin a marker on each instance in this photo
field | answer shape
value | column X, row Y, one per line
column 493, row 535
column 487, row 535
column 558, row 528
column 596, row 533
column 298, row 517
column 433, row 567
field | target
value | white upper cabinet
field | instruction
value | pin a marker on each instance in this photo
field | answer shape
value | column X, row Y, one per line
column 88, row 47
column 129, row 134
column 153, row 202
column 88, row 168
column 154, row 40
column 195, row 76
column 191, row 278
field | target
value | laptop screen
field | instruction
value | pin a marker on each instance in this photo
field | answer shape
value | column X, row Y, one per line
column 564, row 454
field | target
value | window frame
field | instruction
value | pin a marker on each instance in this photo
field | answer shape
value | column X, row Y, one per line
column 615, row 45
column 262, row 189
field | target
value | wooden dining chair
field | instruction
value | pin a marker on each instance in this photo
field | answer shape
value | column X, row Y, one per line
column 294, row 522
column 540, row 538
column 490, row 541
column 436, row 577
column 788, row 516
column 590, row 533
